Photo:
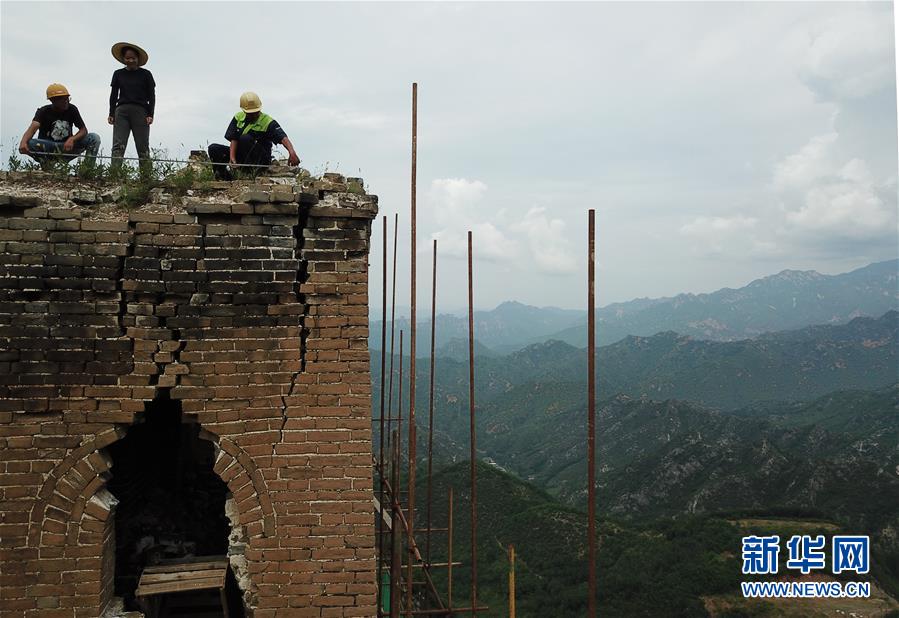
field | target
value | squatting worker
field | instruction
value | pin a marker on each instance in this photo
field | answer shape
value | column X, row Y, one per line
column 131, row 103
column 251, row 135
column 53, row 124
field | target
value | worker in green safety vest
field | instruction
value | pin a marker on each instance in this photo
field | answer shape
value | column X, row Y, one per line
column 251, row 135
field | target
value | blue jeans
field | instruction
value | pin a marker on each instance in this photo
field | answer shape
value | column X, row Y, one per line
column 41, row 148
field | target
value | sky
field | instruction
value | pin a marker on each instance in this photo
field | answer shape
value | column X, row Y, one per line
column 718, row 142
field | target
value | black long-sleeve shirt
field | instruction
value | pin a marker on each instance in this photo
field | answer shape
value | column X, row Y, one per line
column 135, row 86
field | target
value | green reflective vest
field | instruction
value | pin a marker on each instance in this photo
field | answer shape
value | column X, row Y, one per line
column 260, row 125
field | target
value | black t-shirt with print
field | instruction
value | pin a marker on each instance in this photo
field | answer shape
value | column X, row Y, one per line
column 57, row 125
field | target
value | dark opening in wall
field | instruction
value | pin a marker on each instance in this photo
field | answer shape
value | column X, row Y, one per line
column 171, row 502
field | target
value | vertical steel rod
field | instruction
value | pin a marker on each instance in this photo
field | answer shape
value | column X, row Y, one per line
column 399, row 398
column 392, row 324
column 474, row 495
column 412, row 328
column 399, row 457
column 511, row 581
column 449, row 554
column 591, row 414
column 431, row 401
column 381, row 420
column 395, row 554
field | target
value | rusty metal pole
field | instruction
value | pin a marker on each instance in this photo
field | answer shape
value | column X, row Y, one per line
column 474, row 495
column 395, row 554
column 392, row 325
column 381, row 420
column 511, row 581
column 431, row 401
column 449, row 555
column 399, row 407
column 412, row 328
column 591, row 414
column 399, row 457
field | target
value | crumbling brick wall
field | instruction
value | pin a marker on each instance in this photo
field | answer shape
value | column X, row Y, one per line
column 253, row 313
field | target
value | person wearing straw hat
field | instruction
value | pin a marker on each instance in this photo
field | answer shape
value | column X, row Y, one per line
column 131, row 104
column 53, row 124
column 251, row 135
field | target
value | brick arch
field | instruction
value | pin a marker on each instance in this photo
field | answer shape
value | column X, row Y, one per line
column 80, row 474
column 246, row 483
column 57, row 512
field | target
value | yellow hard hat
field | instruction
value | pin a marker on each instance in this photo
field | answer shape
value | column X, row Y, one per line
column 250, row 102
column 56, row 90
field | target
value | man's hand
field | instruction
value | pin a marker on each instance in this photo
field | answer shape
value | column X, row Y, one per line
column 149, row 120
column 69, row 145
column 23, row 148
column 293, row 159
column 110, row 120
column 232, row 161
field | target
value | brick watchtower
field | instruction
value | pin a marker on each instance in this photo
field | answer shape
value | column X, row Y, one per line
column 207, row 352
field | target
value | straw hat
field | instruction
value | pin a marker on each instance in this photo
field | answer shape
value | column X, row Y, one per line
column 119, row 55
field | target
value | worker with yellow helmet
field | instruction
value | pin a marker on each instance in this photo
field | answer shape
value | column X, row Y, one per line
column 53, row 124
column 251, row 135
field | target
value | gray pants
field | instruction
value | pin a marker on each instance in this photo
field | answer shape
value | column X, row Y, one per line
column 130, row 118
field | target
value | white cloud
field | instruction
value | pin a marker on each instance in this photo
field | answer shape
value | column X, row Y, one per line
column 453, row 199
column 850, row 55
column 847, row 209
column 457, row 204
column 811, row 162
column 829, row 193
column 548, row 242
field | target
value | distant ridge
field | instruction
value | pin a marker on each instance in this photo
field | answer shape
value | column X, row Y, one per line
column 790, row 299
column 787, row 300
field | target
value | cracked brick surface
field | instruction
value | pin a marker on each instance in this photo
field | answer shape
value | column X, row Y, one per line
column 254, row 315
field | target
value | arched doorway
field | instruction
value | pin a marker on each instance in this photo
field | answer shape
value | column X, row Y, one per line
column 171, row 503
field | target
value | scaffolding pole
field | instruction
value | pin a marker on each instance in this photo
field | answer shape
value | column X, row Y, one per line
column 381, row 419
column 591, row 415
column 511, row 581
column 431, row 401
column 392, row 332
column 474, row 498
column 449, row 552
column 412, row 329
column 395, row 538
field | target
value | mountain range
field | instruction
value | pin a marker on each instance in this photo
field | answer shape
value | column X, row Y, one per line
column 789, row 365
column 685, row 566
column 716, row 413
column 788, row 300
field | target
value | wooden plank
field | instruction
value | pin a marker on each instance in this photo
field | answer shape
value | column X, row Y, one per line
column 193, row 566
column 155, row 578
column 178, row 586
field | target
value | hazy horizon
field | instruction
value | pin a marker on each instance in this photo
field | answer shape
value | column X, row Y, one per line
column 424, row 315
